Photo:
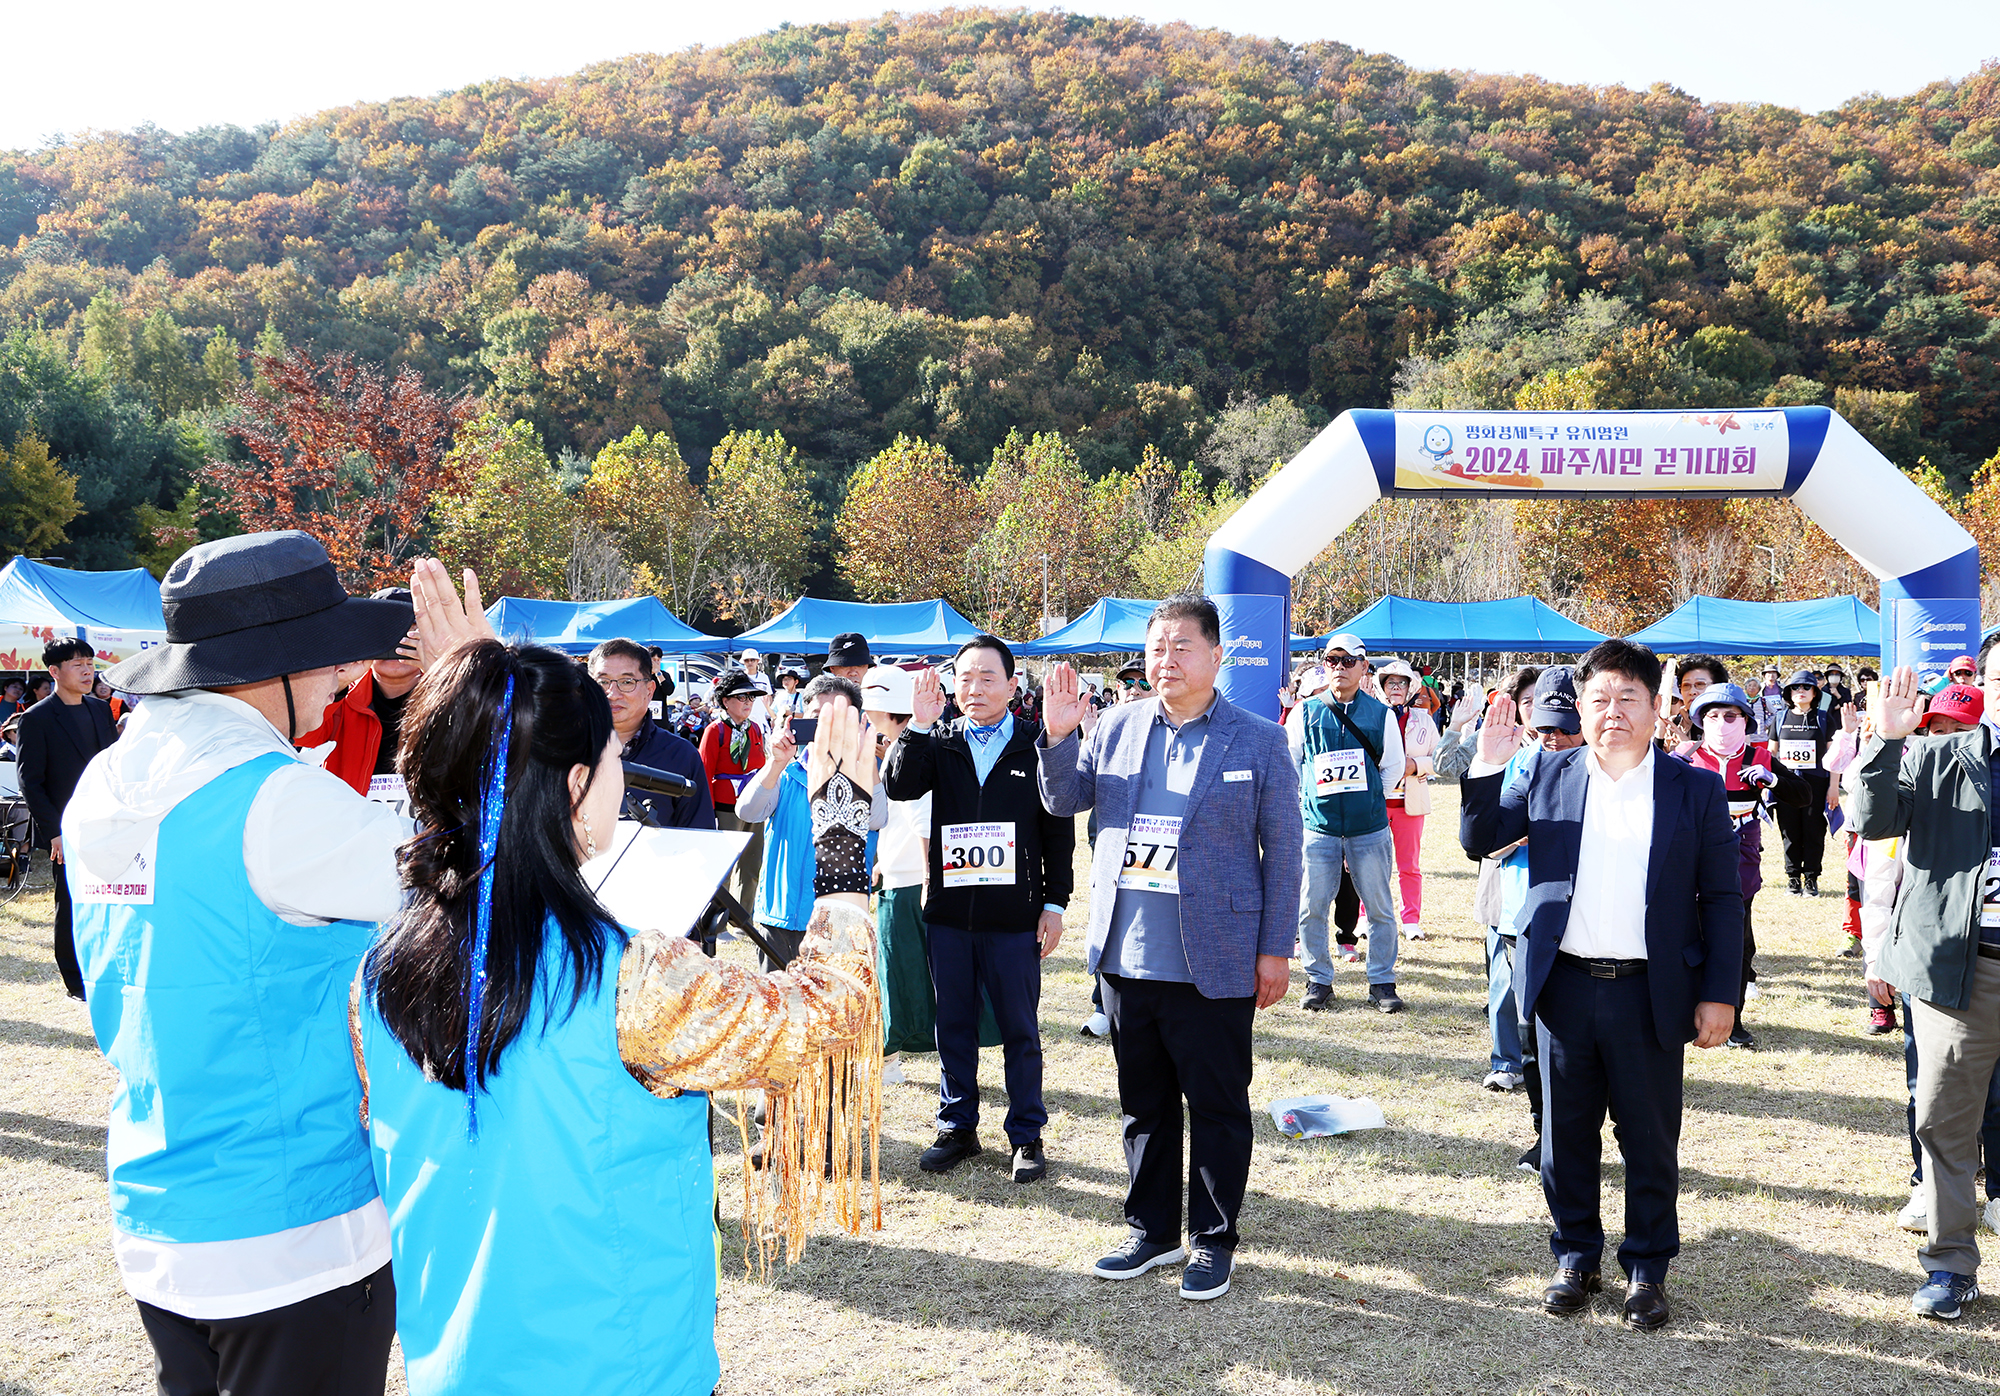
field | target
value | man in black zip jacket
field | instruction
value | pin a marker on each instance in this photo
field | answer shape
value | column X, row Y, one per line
column 1000, row 875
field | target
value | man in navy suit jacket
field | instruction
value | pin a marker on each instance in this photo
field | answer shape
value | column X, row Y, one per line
column 1631, row 939
column 1194, row 912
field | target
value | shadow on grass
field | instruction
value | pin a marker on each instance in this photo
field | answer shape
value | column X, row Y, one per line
column 19, row 969
column 21, row 1034
column 1473, row 1290
column 44, row 1139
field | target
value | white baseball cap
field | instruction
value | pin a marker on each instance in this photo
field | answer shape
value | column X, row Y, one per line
column 750, row 654
column 1346, row 640
column 888, row 689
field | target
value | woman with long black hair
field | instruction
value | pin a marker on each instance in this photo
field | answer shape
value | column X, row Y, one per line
column 548, row 1174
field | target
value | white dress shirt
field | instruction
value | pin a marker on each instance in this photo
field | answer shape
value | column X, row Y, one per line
column 1607, row 909
column 315, row 852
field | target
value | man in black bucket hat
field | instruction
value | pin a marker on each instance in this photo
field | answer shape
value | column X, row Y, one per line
column 225, row 889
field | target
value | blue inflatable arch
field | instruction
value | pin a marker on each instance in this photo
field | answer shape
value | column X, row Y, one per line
column 1928, row 565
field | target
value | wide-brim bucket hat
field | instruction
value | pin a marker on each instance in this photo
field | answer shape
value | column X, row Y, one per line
column 245, row 609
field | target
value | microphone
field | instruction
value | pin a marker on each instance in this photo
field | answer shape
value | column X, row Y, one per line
column 655, row 782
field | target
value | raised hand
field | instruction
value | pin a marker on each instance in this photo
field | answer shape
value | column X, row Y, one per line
column 444, row 622
column 1063, row 702
column 1850, row 719
column 1500, row 738
column 1902, row 704
column 928, row 705
column 844, row 743
column 1466, row 713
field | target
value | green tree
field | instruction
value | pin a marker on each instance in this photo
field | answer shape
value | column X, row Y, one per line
column 164, row 534
column 508, row 521
column 221, row 368
column 761, row 497
column 37, row 500
column 107, row 340
column 160, row 362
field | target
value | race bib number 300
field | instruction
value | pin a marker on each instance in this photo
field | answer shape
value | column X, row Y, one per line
column 1339, row 773
column 978, row 855
column 1152, row 855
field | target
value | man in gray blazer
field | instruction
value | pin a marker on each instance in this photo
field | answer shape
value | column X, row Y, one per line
column 1193, row 920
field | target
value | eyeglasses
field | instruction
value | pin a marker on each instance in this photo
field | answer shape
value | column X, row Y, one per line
column 1346, row 661
column 624, row 683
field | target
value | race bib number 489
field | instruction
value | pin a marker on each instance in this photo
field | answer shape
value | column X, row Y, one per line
column 978, row 855
column 1339, row 773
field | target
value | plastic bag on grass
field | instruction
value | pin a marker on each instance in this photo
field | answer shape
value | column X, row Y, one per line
column 1317, row 1116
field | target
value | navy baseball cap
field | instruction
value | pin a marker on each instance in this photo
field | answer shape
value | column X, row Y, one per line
column 1555, row 700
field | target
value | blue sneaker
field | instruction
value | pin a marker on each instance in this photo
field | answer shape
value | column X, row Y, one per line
column 1945, row 1295
column 1135, row 1257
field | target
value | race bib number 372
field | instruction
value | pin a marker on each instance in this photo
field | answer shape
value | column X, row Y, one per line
column 1339, row 773
column 978, row 855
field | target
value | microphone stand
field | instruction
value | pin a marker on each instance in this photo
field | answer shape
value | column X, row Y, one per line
column 722, row 910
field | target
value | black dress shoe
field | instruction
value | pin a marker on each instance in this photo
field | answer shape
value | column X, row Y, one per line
column 1645, row 1306
column 1569, row 1292
column 951, row 1148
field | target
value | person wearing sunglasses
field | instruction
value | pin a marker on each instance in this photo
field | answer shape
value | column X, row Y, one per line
column 1752, row 778
column 624, row 670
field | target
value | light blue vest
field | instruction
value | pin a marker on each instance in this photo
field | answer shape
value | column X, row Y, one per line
column 571, row 1247
column 785, row 888
column 1358, row 812
column 237, row 1111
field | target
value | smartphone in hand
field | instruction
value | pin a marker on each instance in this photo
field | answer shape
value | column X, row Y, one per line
column 803, row 731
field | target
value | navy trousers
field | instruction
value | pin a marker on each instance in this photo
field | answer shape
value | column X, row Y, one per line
column 1599, row 1052
column 1008, row 966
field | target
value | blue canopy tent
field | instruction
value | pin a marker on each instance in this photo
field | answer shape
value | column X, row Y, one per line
column 808, row 626
column 118, row 613
column 1712, row 625
column 1115, row 625
column 577, row 627
column 1517, row 625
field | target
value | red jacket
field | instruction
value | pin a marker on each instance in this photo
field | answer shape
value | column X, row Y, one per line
column 356, row 732
column 715, row 759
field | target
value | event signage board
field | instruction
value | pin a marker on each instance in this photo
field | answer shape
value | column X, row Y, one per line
column 1610, row 453
column 1254, row 655
column 1928, row 633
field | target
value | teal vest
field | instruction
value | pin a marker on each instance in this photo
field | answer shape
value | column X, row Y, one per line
column 1359, row 811
column 238, row 1111
column 571, row 1247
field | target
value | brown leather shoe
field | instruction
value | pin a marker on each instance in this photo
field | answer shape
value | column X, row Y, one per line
column 1570, row 1291
column 1645, row 1306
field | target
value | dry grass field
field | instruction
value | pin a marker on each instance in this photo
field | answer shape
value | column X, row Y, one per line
column 1407, row 1260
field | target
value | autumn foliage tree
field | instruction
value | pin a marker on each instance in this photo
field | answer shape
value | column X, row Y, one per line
column 908, row 523
column 503, row 514
column 639, row 493
column 760, row 495
column 345, row 453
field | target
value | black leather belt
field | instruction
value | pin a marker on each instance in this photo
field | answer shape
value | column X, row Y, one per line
column 1601, row 969
column 1989, row 950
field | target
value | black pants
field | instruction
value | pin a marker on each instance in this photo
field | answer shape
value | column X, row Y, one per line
column 65, row 937
column 1346, row 910
column 1171, row 1042
column 333, row 1344
column 1599, row 1052
column 1531, row 1070
column 1749, row 971
column 1804, row 830
column 1004, row 969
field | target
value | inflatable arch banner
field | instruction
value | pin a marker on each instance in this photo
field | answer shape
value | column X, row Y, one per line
column 1928, row 565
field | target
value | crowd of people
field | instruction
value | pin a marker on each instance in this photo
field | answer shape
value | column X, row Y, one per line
column 334, row 925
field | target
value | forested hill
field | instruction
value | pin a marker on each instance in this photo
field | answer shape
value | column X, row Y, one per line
column 955, row 224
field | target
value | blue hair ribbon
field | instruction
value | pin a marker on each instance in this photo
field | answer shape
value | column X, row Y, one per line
column 492, row 805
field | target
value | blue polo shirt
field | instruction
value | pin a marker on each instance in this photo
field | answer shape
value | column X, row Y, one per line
column 1145, row 937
